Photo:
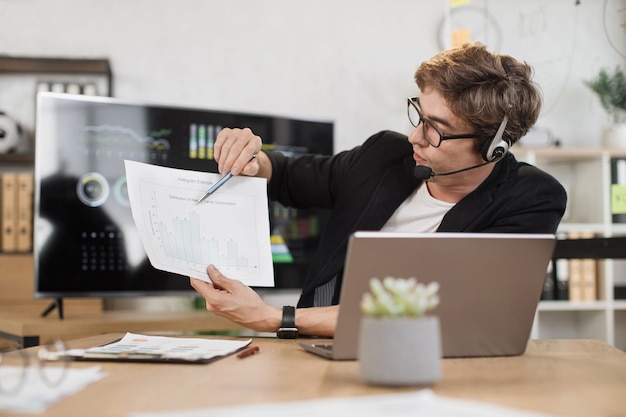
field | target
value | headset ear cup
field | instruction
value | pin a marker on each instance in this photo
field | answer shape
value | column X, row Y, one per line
column 492, row 151
column 497, row 147
column 500, row 150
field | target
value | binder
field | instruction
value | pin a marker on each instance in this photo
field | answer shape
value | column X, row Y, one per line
column 24, row 229
column 9, row 211
column 589, row 280
column 583, row 274
column 618, row 190
column 575, row 280
column 589, row 268
column 600, row 281
column 589, row 274
column 575, row 273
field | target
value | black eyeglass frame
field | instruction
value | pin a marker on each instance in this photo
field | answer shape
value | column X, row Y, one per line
column 413, row 102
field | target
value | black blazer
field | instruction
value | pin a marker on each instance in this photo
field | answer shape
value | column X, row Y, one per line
column 364, row 186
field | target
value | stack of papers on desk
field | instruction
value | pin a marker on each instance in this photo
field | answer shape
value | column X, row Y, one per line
column 34, row 395
column 141, row 348
column 421, row 403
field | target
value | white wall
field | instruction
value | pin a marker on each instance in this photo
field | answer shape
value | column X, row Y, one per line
column 567, row 42
column 349, row 61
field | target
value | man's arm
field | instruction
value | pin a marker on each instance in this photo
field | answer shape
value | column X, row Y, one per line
column 239, row 303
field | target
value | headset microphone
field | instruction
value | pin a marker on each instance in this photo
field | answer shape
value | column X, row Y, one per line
column 423, row 172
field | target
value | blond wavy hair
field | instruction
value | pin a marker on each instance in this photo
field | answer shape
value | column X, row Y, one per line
column 481, row 87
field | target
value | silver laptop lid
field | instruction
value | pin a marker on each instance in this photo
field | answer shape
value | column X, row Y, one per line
column 490, row 285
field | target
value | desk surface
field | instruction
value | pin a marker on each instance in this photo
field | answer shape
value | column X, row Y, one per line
column 559, row 377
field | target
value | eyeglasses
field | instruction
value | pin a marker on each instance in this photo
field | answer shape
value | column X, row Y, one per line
column 16, row 369
column 432, row 135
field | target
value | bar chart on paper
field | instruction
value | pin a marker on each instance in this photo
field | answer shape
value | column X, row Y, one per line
column 216, row 231
column 229, row 230
column 185, row 243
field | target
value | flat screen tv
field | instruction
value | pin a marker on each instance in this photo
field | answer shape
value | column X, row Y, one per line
column 85, row 241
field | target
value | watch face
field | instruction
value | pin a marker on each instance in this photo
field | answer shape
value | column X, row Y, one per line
column 287, row 333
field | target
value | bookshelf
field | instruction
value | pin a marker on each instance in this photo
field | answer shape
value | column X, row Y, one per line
column 68, row 68
column 21, row 77
column 587, row 175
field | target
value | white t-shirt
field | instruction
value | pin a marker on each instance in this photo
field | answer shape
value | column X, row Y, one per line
column 419, row 213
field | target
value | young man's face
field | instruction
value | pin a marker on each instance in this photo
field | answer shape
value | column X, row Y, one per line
column 451, row 155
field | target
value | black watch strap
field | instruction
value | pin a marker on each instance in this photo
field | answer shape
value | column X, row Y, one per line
column 288, row 329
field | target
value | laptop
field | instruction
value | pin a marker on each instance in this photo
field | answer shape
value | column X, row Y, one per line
column 490, row 285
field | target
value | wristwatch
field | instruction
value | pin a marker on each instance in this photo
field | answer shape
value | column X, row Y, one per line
column 288, row 329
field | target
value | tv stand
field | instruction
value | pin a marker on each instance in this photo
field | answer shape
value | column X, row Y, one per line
column 56, row 303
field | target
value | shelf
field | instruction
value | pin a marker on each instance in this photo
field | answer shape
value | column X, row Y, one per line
column 546, row 305
column 567, row 227
column 618, row 229
column 568, row 154
column 587, row 175
column 49, row 65
column 21, row 65
column 17, row 158
column 619, row 305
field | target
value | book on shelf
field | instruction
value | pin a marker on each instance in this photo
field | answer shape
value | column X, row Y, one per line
column 618, row 190
column 16, row 204
column 575, row 280
column 589, row 279
column 583, row 274
column 589, row 274
column 24, row 228
column 8, row 197
column 600, row 280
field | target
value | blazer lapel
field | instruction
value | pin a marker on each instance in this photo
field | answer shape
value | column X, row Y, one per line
column 466, row 211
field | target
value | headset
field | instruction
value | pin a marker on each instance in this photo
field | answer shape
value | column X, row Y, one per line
column 496, row 148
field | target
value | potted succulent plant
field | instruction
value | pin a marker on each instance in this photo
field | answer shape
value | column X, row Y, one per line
column 611, row 90
column 399, row 343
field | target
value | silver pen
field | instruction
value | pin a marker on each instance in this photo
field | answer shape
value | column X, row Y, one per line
column 219, row 183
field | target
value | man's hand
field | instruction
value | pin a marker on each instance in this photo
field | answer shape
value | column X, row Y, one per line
column 237, row 302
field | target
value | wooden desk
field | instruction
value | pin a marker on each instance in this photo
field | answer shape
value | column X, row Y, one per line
column 560, row 377
column 27, row 329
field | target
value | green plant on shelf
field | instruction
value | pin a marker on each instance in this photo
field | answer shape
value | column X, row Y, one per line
column 611, row 89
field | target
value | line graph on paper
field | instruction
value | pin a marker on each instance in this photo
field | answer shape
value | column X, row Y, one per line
column 217, row 231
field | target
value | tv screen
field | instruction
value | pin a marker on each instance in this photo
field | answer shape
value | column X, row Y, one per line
column 85, row 240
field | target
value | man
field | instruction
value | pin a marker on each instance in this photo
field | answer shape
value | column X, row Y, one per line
column 454, row 174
